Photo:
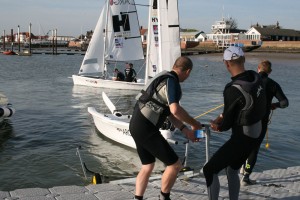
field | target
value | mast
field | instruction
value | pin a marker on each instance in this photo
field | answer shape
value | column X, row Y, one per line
column 30, row 38
column 12, row 39
column 105, row 37
column 148, row 42
column 19, row 38
column 3, row 40
column 159, row 15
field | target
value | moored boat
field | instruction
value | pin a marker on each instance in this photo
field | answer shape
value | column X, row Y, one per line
column 6, row 109
column 25, row 52
column 9, row 52
column 115, row 126
column 113, row 41
column 162, row 50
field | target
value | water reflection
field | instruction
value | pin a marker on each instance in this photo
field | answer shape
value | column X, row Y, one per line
column 6, row 132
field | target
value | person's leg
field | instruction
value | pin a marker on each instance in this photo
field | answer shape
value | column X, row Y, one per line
column 217, row 162
column 250, row 162
column 169, row 176
column 159, row 148
column 233, row 183
column 248, row 167
column 214, row 189
column 142, row 179
column 252, row 158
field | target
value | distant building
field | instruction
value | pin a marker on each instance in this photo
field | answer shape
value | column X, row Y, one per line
column 223, row 35
column 272, row 33
column 62, row 38
column 184, row 36
column 201, row 36
column 188, row 36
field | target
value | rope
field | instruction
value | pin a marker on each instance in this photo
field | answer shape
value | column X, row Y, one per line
column 219, row 106
column 267, row 135
column 215, row 108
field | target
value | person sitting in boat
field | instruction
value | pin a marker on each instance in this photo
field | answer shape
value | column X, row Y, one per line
column 119, row 76
column 130, row 74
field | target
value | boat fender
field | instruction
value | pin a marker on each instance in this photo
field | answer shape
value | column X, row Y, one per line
column 6, row 112
column 96, row 179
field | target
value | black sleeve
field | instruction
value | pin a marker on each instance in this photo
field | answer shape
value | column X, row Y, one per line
column 233, row 102
column 283, row 102
column 134, row 72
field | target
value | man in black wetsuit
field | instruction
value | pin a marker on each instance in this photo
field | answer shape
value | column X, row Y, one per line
column 244, row 108
column 130, row 73
column 119, row 76
column 273, row 89
column 160, row 100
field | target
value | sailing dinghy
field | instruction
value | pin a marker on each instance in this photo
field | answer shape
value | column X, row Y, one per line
column 6, row 109
column 115, row 125
column 162, row 51
column 116, row 38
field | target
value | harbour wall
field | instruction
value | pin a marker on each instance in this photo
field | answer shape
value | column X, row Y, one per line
column 267, row 46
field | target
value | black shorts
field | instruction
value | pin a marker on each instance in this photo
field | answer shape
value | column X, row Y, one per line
column 150, row 144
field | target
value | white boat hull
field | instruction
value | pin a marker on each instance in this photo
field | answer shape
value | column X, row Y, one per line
column 117, row 128
column 6, row 110
column 102, row 83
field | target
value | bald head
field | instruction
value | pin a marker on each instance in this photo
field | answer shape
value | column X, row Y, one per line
column 183, row 63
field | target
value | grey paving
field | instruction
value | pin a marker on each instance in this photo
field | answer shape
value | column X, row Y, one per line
column 271, row 184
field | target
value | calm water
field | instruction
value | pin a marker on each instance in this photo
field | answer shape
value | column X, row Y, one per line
column 38, row 144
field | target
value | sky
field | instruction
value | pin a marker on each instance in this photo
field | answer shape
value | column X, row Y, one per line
column 73, row 17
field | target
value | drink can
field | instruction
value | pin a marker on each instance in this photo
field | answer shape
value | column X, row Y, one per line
column 199, row 134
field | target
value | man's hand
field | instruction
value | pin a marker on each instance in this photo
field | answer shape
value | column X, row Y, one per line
column 273, row 106
column 190, row 134
column 214, row 124
column 196, row 126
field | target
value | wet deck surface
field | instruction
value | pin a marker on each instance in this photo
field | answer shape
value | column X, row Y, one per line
column 272, row 184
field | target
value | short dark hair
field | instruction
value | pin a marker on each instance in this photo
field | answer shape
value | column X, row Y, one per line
column 184, row 63
column 265, row 66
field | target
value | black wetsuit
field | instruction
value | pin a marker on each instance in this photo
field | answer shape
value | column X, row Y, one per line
column 273, row 89
column 232, row 155
column 130, row 74
column 120, row 76
column 145, row 132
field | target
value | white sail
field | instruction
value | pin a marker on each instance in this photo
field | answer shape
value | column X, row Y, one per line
column 163, row 46
column 174, row 31
column 170, row 38
column 124, row 38
column 152, row 57
column 93, row 61
column 116, row 37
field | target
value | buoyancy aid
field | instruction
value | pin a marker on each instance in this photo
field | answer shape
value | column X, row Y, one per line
column 153, row 108
column 255, row 104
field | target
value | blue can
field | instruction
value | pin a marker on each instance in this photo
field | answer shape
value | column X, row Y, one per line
column 199, row 134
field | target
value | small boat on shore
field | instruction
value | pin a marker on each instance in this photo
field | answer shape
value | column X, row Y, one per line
column 188, row 44
column 24, row 53
column 9, row 52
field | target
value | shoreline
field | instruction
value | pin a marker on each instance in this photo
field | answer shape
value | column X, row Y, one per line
column 271, row 184
column 186, row 52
